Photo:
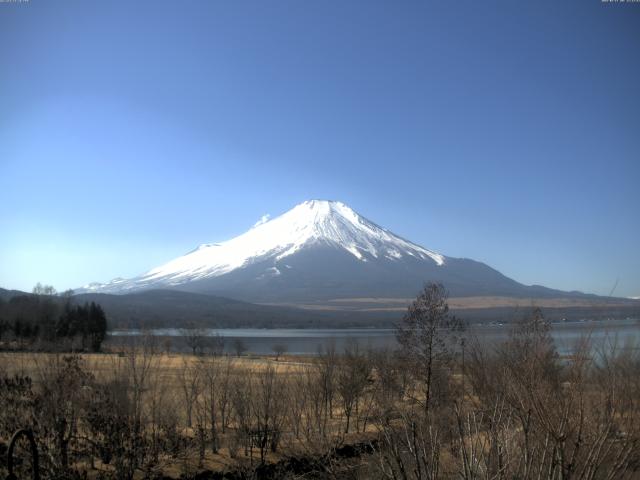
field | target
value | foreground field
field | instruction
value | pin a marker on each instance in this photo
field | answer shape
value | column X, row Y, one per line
column 442, row 406
column 176, row 397
column 169, row 366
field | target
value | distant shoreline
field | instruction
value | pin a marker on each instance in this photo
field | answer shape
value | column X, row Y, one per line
column 308, row 341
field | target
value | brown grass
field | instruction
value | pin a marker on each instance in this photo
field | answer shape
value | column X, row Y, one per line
column 391, row 304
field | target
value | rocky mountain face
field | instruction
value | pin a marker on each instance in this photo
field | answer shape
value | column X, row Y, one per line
column 316, row 251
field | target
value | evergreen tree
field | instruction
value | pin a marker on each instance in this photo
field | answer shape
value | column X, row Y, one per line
column 96, row 326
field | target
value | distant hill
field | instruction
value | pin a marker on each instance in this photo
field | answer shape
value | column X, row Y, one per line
column 6, row 295
column 171, row 308
column 161, row 308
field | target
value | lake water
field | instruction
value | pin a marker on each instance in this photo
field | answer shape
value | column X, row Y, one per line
column 623, row 333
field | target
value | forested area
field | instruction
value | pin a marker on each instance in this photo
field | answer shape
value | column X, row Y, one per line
column 44, row 320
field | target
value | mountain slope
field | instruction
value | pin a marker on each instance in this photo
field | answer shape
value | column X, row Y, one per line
column 319, row 250
column 171, row 308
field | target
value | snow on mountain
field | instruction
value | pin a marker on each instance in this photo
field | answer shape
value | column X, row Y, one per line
column 316, row 252
column 311, row 223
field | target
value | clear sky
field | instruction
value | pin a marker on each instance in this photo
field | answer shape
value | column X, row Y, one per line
column 503, row 131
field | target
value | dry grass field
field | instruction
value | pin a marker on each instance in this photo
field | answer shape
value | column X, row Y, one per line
column 168, row 365
column 435, row 408
column 461, row 303
column 189, row 389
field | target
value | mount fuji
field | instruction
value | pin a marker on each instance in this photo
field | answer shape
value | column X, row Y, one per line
column 317, row 251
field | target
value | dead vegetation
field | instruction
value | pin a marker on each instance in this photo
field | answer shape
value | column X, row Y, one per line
column 438, row 408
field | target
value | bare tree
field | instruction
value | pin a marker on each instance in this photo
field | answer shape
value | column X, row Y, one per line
column 298, row 398
column 40, row 289
column 224, row 393
column 537, row 416
column 240, row 396
column 214, row 396
column 279, row 349
column 268, row 410
column 195, row 338
column 239, row 346
column 216, row 345
column 190, row 383
column 327, row 362
column 426, row 335
column 166, row 345
column 315, row 416
column 352, row 378
column 63, row 380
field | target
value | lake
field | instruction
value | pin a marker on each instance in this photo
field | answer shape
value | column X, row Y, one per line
column 308, row 341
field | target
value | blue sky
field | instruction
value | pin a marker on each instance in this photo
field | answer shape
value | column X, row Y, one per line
column 507, row 132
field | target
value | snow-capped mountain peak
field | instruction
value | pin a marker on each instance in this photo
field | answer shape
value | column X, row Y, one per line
column 334, row 222
column 311, row 223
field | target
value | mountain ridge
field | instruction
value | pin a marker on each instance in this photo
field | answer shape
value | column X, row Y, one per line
column 317, row 250
column 151, row 309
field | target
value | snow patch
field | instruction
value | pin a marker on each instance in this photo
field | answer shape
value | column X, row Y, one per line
column 353, row 250
column 393, row 254
column 273, row 271
column 263, row 219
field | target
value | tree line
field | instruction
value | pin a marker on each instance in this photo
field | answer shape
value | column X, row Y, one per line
column 45, row 319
